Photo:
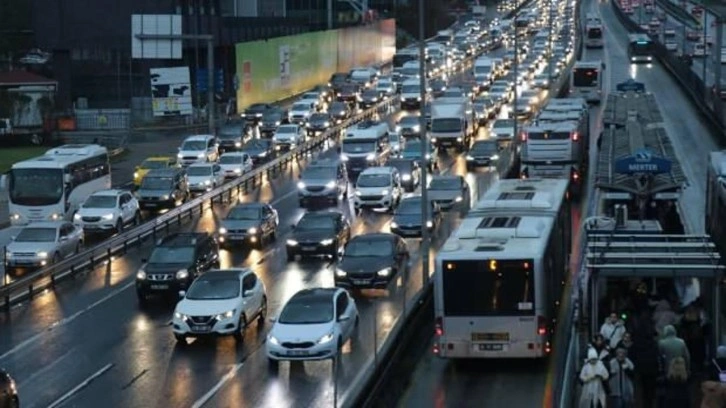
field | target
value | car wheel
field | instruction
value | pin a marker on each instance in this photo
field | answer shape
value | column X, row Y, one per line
column 181, row 339
column 239, row 335
column 56, row 258
column 119, row 226
column 263, row 313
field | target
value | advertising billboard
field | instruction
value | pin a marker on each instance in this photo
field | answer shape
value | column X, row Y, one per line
column 171, row 91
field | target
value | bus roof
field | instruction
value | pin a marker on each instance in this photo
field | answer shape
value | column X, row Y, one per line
column 530, row 196
column 588, row 64
column 59, row 157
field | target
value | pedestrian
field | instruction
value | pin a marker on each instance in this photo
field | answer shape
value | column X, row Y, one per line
column 677, row 392
column 718, row 365
column 593, row 377
column 622, row 391
column 626, row 342
column 599, row 345
column 612, row 330
column 671, row 346
column 644, row 355
column 663, row 316
column 692, row 333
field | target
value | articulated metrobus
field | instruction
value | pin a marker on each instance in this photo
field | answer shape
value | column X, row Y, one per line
column 499, row 278
column 640, row 48
column 594, row 31
column 53, row 186
column 586, row 80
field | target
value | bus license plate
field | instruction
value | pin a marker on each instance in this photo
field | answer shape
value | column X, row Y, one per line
column 491, row 347
column 159, row 287
column 297, row 352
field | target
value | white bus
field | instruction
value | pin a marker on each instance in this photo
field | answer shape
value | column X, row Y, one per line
column 586, row 80
column 499, row 278
column 594, row 34
column 53, row 186
column 640, row 48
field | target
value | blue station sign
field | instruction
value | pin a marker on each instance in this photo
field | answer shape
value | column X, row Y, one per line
column 630, row 85
column 642, row 162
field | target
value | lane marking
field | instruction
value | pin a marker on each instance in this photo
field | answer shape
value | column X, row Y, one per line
column 208, row 396
column 38, row 336
column 85, row 383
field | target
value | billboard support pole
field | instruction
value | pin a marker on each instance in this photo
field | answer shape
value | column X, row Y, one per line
column 330, row 14
column 210, row 65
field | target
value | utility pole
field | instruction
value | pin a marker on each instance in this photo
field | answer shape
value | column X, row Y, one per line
column 425, row 206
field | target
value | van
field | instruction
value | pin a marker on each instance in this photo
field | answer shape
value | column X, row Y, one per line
column 378, row 188
column 163, row 188
column 198, row 148
column 411, row 94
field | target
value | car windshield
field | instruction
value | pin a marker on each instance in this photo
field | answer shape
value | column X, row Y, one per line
column 257, row 144
column 230, row 159
column 374, row 180
column 445, row 184
column 403, row 166
column 32, row 234
column 199, row 171
column 194, row 145
column 499, row 89
column 337, row 107
column 319, row 172
column 301, row 107
column 319, row 117
column 349, row 89
column 413, row 147
column 358, row 147
column 230, row 131
column 410, row 206
column 307, row 311
column 272, row 116
column 244, row 213
column 485, row 147
column 315, row 223
column 370, row 94
column 214, row 289
column 100, row 201
column 171, row 255
column 410, row 121
column 504, row 123
column 410, row 89
column 156, row 183
column 154, row 164
column 287, row 129
column 359, row 248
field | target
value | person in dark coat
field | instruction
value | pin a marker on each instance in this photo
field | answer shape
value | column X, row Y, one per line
column 693, row 334
column 645, row 356
column 677, row 392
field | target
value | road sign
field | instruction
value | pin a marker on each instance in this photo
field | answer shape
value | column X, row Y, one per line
column 156, row 24
column 202, row 85
column 642, row 162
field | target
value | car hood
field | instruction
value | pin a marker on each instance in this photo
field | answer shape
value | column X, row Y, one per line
column 407, row 219
column 143, row 192
column 444, row 194
column 364, row 264
column 199, row 179
column 240, row 224
column 192, row 152
column 255, row 152
column 284, row 136
column 15, row 246
column 192, row 307
column 372, row 190
column 231, row 166
column 297, row 333
column 338, row 112
column 165, row 267
column 316, row 182
column 311, row 236
column 299, row 112
column 94, row 212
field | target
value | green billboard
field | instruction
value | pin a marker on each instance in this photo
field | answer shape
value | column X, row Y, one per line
column 277, row 68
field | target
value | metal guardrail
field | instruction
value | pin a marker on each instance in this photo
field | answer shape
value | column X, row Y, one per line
column 30, row 285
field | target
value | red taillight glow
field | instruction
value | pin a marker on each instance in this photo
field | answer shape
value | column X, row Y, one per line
column 541, row 326
column 523, row 137
column 439, row 327
column 575, row 137
column 436, row 349
column 575, row 176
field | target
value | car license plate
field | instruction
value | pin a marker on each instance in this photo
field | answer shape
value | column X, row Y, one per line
column 491, row 347
column 159, row 287
column 150, row 204
column 360, row 281
column 236, row 236
column 201, row 329
column 308, row 248
column 298, row 352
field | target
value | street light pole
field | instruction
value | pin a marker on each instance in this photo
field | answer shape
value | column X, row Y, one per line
column 424, row 145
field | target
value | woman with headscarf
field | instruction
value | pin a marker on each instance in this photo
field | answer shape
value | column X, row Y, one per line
column 600, row 345
column 677, row 392
column 718, row 365
column 593, row 376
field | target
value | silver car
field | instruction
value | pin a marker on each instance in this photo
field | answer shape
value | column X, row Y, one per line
column 253, row 224
column 449, row 192
column 43, row 243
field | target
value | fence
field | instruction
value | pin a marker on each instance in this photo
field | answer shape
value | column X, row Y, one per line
column 102, row 119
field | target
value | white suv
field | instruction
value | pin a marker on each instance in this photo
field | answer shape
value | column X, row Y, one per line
column 220, row 303
column 198, row 148
column 108, row 210
column 378, row 188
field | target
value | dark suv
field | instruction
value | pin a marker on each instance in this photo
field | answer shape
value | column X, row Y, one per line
column 318, row 233
column 163, row 188
column 175, row 262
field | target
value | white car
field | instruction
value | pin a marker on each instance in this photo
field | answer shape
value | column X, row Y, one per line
column 108, row 210
column 503, row 129
column 395, row 141
column 378, row 188
column 198, row 148
column 220, row 303
column 204, row 177
column 385, row 87
column 313, row 97
column 43, row 243
column 313, row 325
column 288, row 136
column 235, row 164
column 300, row 111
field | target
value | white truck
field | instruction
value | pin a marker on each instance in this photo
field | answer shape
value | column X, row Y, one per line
column 479, row 12
column 452, row 122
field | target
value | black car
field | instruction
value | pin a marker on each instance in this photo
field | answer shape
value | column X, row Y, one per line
column 339, row 111
column 349, row 92
column 409, row 170
column 270, row 121
column 483, row 153
column 337, row 80
column 407, row 217
column 8, row 391
column 326, row 92
column 254, row 112
column 369, row 98
column 232, row 135
column 409, row 126
column 318, row 233
column 371, row 261
column 260, row 150
column 175, row 262
column 318, row 122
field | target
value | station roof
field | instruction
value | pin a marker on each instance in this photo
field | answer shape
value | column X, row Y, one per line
column 24, row 78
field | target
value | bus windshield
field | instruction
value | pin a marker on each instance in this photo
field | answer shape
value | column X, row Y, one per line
column 641, row 48
column 584, row 77
column 36, row 187
column 474, row 288
column 594, row 33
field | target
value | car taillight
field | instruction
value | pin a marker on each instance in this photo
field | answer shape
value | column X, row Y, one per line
column 439, row 327
column 523, row 136
column 541, row 326
column 575, row 137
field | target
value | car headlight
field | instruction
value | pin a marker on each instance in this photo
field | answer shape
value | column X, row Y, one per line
column 238, row 170
column 77, row 217
column 394, row 224
column 326, row 242
column 384, row 192
column 428, row 156
column 468, row 157
column 273, row 340
column 263, row 154
column 222, row 230
column 180, row 316
column 340, row 273
column 418, row 98
column 165, row 197
column 398, row 128
column 15, row 216
column 416, row 128
column 207, row 182
column 371, row 157
column 277, row 123
column 41, row 254
column 55, row 217
column 384, row 272
column 326, row 124
column 179, row 155
column 429, row 224
column 107, row 217
column 200, row 156
column 326, row 339
column 331, row 184
column 291, row 242
column 141, row 275
column 433, row 140
column 252, row 230
column 406, row 177
column 459, row 199
column 343, row 157
column 182, row 274
column 495, row 157
column 226, row 315
column 136, row 174
column 301, row 185
column 358, row 193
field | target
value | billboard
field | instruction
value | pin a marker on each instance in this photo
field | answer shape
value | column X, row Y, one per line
column 277, row 68
column 171, row 91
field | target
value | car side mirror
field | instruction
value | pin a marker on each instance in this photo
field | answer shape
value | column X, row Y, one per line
column 248, row 293
column 63, row 239
column 343, row 318
column 182, row 293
